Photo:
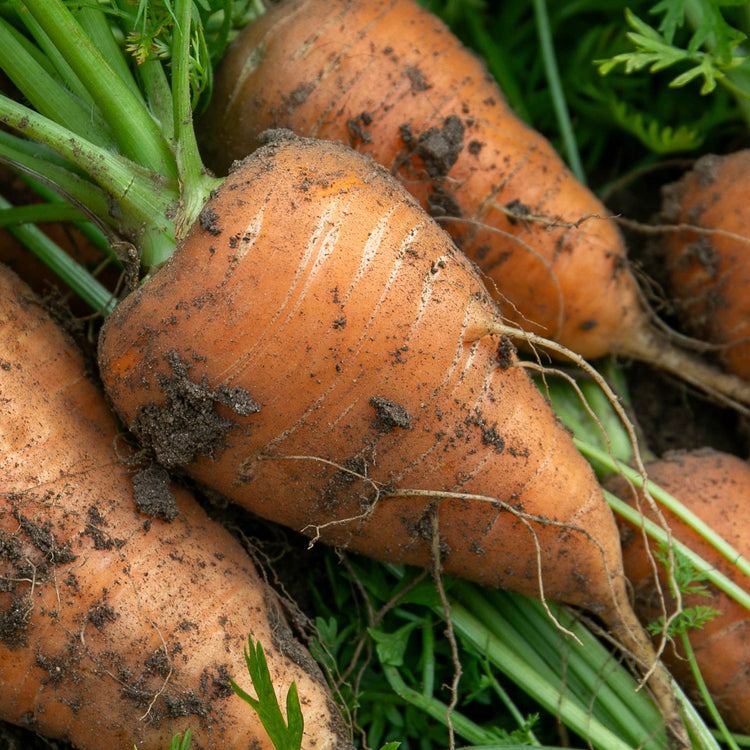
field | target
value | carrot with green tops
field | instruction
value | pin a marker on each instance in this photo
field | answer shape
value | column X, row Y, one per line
column 312, row 345
column 715, row 486
column 389, row 79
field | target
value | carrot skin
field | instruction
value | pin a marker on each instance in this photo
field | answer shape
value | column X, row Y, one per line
column 716, row 487
column 710, row 272
column 117, row 628
column 427, row 109
column 390, row 80
column 355, row 328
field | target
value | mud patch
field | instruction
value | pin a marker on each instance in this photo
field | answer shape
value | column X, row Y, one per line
column 389, row 414
column 439, row 148
column 505, row 354
column 153, row 495
column 208, row 219
column 187, row 424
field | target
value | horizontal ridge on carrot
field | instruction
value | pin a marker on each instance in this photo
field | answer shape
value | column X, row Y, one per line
column 107, row 638
column 389, row 79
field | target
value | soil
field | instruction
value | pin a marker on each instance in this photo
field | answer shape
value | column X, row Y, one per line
column 187, row 424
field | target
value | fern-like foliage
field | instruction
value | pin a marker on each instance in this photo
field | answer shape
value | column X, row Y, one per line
column 707, row 54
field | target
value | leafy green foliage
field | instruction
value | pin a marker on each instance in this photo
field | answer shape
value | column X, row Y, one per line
column 689, row 581
column 390, row 663
column 285, row 736
column 656, row 50
column 148, row 27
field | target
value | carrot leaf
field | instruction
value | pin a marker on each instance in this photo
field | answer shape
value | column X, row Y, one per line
column 285, row 736
column 710, row 52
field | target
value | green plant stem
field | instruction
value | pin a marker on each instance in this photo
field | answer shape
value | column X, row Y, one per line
column 39, row 213
column 94, row 22
column 708, row 701
column 136, row 132
column 195, row 184
column 46, row 94
column 507, row 701
column 556, row 89
column 428, row 660
column 98, row 297
column 146, row 200
column 437, row 709
column 719, row 580
column 672, row 504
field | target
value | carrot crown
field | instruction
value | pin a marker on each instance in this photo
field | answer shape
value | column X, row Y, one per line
column 118, row 143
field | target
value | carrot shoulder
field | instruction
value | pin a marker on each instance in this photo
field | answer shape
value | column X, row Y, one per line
column 118, row 628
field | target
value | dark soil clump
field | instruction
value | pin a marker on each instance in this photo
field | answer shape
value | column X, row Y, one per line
column 187, row 424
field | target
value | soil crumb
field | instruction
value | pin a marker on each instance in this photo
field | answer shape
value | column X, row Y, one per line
column 389, row 414
column 187, row 424
column 153, row 495
column 439, row 148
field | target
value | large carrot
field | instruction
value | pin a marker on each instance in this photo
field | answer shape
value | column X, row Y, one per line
column 117, row 627
column 709, row 264
column 389, row 79
column 388, row 418
column 318, row 350
column 716, row 488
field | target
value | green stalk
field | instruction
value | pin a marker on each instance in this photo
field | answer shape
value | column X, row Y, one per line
column 46, row 94
column 504, row 653
column 136, row 132
column 195, row 184
column 719, row 580
column 37, row 161
column 98, row 297
column 94, row 22
column 437, row 709
column 669, row 502
column 585, row 676
column 556, row 89
column 708, row 701
column 146, row 200
column 39, row 213
column 90, row 231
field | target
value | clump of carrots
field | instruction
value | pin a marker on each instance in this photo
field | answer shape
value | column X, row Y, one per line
column 425, row 107
column 343, row 372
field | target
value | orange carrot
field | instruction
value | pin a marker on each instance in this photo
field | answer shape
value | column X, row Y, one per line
column 119, row 628
column 389, row 79
column 715, row 487
column 709, row 265
column 339, row 371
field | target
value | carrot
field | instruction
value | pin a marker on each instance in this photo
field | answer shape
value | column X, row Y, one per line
column 117, row 627
column 709, row 265
column 389, row 79
column 316, row 349
column 356, row 391
column 716, row 488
